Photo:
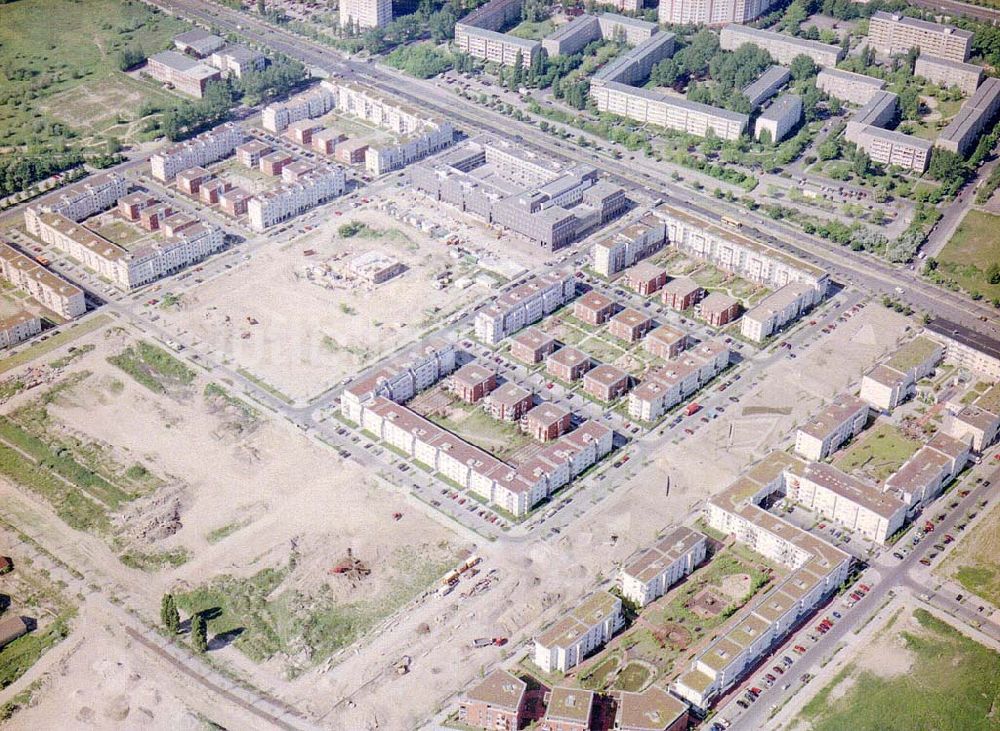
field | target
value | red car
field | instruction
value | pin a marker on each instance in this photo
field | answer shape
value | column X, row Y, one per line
column 799, row 649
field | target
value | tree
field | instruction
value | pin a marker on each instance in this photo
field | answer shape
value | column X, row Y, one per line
column 802, row 67
column 131, row 57
column 993, row 273
column 169, row 617
column 765, row 137
column 946, row 166
column 199, row 633
column 261, row 7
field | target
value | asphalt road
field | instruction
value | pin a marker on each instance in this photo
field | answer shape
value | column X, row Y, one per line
column 874, row 275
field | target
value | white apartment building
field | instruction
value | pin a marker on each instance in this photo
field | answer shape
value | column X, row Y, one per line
column 976, row 426
column 666, row 111
column 965, row 76
column 577, row 635
column 777, row 310
column 848, row 86
column 924, row 475
column 308, row 105
column 419, row 134
column 236, row 60
column 499, row 48
column 401, row 378
column 630, row 245
column 967, row 348
column 80, row 201
column 199, row 151
column 891, row 33
column 889, row 383
column 730, row 250
column 181, row 247
column 963, row 131
column 292, row 199
column 846, row 500
column 782, row 48
column 664, row 387
column 523, row 305
column 47, row 288
column 779, row 118
column 18, row 327
column 712, row 12
column 843, row 419
column 650, row 575
column 365, row 13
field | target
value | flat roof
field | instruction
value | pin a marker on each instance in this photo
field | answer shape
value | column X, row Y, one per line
column 923, row 468
column 769, row 35
column 569, row 704
column 605, row 374
column 652, row 710
column 850, row 488
column 852, row 77
column 649, row 563
column 912, row 354
column 883, row 374
column 681, row 286
column 631, row 318
column 568, row 356
column 772, row 78
column 778, row 300
column 976, row 417
column 594, row 300
column 473, row 374
column 990, row 399
column 844, row 407
column 500, row 689
column 923, row 25
column 717, row 302
column 533, row 338
column 782, row 106
column 547, row 413
column 509, row 394
column 666, row 334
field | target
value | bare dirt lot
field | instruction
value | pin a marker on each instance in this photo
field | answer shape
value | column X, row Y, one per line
column 296, row 323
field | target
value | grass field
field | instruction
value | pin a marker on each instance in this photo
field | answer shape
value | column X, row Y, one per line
column 967, row 257
column 952, row 685
column 40, row 347
column 153, row 367
column 878, row 453
column 975, row 561
column 499, row 438
column 60, row 66
column 533, row 31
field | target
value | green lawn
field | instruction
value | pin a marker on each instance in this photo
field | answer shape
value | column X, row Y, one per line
column 153, row 367
column 953, row 685
column 59, row 59
column 533, row 31
column 499, row 438
column 975, row 562
column 879, row 452
column 971, row 251
column 40, row 347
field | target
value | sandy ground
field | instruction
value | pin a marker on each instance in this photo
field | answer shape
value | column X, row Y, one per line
column 312, row 329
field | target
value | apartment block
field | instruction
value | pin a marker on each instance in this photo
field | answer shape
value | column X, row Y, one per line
column 669, row 112
column 179, row 248
column 976, row 427
column 236, row 60
column 79, row 201
column 841, row 420
column 292, row 199
column 779, row 118
column 509, row 402
column 947, row 73
column 365, row 13
column 206, row 148
column 782, row 48
column 472, row 382
column 712, row 12
column 733, row 252
column 848, row 86
column 571, row 37
column 967, row 348
column 496, row 703
column 523, row 305
column 650, row 574
column 856, row 505
column 307, row 105
column 886, row 385
column 301, row 131
column 777, row 310
column 235, row 201
column 664, row 387
column 633, row 243
column 766, row 85
column 568, row 709
column 532, row 346
column 182, row 72
column 924, row 475
column 546, row 422
column 817, row 569
column 682, row 293
column 495, row 47
column 417, row 134
column 131, row 205
column 568, row 364
column 645, row 278
column 632, row 30
column 47, row 288
column 630, row 325
column 606, row 382
column 719, row 309
column 651, row 710
column 400, row 379
column 577, row 635
column 665, row 342
column 890, row 33
column 18, row 327
column 636, row 64
column 977, row 113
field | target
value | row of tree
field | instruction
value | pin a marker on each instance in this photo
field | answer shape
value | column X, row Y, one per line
column 170, row 618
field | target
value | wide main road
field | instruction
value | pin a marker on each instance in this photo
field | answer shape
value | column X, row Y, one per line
column 873, row 275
